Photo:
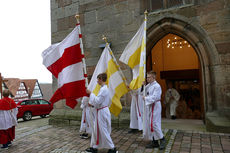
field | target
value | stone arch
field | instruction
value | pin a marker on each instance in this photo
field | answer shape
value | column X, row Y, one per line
column 198, row 38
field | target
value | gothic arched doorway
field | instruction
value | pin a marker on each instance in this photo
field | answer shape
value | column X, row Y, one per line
column 176, row 61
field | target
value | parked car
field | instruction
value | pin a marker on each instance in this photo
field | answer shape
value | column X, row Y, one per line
column 33, row 107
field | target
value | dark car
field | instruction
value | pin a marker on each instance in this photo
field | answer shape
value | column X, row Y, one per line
column 33, row 107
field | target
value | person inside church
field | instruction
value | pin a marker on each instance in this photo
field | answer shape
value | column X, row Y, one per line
column 8, row 120
column 172, row 97
column 152, row 100
column 102, row 125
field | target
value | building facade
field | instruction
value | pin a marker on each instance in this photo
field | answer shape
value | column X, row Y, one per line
column 188, row 44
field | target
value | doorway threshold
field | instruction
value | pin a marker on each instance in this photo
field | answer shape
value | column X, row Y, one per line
column 184, row 124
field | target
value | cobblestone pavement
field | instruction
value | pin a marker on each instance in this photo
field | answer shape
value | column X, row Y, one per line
column 51, row 139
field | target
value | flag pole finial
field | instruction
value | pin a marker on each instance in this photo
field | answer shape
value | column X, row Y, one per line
column 77, row 16
column 146, row 13
column 105, row 39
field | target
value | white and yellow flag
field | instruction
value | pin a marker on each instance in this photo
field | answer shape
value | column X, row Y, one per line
column 134, row 55
column 115, row 82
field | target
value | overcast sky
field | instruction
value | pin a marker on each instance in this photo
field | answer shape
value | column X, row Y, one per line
column 25, row 31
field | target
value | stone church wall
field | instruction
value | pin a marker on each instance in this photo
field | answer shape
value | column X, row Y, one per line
column 119, row 21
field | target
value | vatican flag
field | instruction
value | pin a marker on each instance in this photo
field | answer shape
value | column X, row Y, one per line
column 134, row 56
column 115, row 81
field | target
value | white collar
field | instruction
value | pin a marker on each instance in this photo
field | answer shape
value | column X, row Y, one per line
column 153, row 82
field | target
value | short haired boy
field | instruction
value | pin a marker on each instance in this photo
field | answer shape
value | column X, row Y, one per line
column 102, row 126
column 153, row 105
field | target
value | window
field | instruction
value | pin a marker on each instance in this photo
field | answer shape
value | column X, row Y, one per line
column 32, row 102
column 172, row 3
column 43, row 102
column 154, row 5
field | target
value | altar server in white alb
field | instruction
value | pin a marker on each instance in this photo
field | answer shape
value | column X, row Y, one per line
column 102, row 126
column 136, row 112
column 87, row 118
column 153, row 112
column 172, row 97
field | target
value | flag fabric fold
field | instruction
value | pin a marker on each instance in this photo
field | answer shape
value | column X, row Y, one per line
column 64, row 61
column 134, row 55
column 115, row 82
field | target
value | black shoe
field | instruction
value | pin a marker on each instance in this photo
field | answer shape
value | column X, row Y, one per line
column 4, row 146
column 173, row 117
column 91, row 149
column 133, row 131
column 84, row 136
column 114, row 150
column 9, row 144
column 162, row 143
column 153, row 144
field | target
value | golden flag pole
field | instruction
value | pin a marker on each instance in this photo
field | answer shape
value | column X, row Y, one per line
column 111, row 53
column 118, row 66
column 144, row 108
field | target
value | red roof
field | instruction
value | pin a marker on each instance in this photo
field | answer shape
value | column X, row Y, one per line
column 12, row 84
column 30, row 84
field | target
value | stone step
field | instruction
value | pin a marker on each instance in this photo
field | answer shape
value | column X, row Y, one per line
column 217, row 123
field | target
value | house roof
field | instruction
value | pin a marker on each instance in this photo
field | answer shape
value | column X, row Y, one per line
column 12, row 84
column 30, row 84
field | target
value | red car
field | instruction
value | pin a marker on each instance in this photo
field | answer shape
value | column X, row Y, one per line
column 33, row 107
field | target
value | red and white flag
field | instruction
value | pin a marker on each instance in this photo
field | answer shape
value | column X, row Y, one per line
column 64, row 61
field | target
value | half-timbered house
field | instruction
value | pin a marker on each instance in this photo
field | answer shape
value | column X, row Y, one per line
column 33, row 88
column 17, row 88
